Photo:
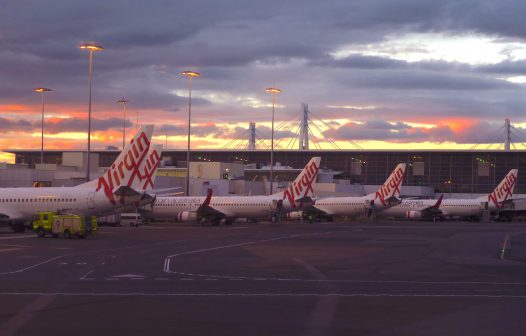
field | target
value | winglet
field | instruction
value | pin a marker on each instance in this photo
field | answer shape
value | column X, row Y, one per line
column 208, row 198
column 439, row 201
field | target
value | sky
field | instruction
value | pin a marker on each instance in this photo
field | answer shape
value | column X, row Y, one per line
column 376, row 74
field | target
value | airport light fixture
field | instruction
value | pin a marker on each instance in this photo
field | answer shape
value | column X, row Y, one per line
column 273, row 92
column 123, row 102
column 42, row 90
column 190, row 75
column 91, row 47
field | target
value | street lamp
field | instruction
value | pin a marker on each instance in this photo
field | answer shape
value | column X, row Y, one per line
column 91, row 47
column 189, row 74
column 123, row 102
column 273, row 92
column 42, row 90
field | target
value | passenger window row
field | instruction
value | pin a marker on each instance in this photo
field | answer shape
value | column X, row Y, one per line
column 37, row 200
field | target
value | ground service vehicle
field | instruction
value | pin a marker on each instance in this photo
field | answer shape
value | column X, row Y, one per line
column 131, row 219
column 66, row 225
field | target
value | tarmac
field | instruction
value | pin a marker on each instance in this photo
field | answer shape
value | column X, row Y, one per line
column 290, row 278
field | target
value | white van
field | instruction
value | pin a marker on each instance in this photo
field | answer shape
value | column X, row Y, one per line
column 131, row 219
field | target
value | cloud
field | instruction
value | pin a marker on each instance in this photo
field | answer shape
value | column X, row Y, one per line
column 242, row 47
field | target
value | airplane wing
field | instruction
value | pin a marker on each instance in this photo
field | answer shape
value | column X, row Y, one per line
column 166, row 191
column 126, row 191
column 433, row 209
column 207, row 212
column 392, row 201
column 312, row 210
column 8, row 214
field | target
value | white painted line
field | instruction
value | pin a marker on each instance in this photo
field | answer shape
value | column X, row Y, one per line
column 85, row 275
column 13, row 245
column 19, row 237
column 81, row 263
column 63, row 263
column 30, row 267
column 482, row 296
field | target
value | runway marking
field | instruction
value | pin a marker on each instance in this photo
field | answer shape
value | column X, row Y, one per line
column 167, row 260
column 19, row 237
column 13, row 245
column 84, row 277
column 168, row 265
column 10, row 249
column 31, row 267
column 322, row 315
column 23, row 316
column 406, row 295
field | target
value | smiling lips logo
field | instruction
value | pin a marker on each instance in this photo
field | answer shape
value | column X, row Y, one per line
column 118, row 171
column 304, row 185
column 503, row 191
column 390, row 187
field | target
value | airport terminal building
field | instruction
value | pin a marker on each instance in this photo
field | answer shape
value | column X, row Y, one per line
column 451, row 171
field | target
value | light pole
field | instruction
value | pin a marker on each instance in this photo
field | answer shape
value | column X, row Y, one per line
column 123, row 102
column 273, row 92
column 91, row 47
column 189, row 74
column 42, row 90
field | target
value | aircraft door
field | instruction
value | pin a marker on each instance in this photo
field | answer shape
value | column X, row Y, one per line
column 91, row 200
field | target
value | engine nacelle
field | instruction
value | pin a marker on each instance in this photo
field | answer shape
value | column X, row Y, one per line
column 413, row 214
column 295, row 215
column 187, row 216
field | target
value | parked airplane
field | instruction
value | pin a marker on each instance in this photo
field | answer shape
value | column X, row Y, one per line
column 500, row 198
column 124, row 183
column 386, row 196
column 228, row 208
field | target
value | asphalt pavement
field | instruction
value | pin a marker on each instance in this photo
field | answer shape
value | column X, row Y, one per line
column 291, row 278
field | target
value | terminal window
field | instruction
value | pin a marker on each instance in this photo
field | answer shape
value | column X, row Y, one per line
column 356, row 168
column 483, row 169
column 418, row 168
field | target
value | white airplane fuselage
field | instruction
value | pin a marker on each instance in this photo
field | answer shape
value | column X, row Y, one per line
column 344, row 206
column 22, row 203
column 231, row 206
column 448, row 207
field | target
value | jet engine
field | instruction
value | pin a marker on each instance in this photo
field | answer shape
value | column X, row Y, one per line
column 187, row 216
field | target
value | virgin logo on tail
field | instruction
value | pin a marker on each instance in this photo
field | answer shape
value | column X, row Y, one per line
column 132, row 160
column 303, row 184
column 504, row 190
column 391, row 187
column 152, row 162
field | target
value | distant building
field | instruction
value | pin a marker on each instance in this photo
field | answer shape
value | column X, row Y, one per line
column 456, row 171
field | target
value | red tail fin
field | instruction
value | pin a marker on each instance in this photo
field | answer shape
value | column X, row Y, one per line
column 208, row 198
column 439, row 201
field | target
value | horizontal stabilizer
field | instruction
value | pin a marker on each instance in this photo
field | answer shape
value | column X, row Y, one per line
column 126, row 191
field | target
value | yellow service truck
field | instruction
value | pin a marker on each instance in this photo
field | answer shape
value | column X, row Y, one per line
column 63, row 225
